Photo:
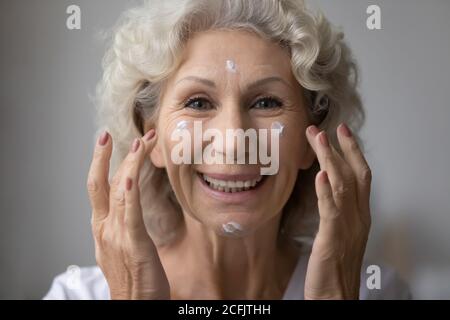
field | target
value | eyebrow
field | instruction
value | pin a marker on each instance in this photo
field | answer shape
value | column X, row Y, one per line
column 251, row 86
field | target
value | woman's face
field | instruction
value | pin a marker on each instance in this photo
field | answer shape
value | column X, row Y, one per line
column 217, row 86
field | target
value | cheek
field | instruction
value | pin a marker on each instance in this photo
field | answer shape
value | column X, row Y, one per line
column 172, row 128
column 297, row 151
column 293, row 146
column 175, row 143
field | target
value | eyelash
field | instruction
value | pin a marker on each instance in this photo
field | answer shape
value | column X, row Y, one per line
column 277, row 102
column 270, row 98
column 192, row 100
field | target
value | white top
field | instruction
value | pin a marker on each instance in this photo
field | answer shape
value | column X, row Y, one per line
column 92, row 284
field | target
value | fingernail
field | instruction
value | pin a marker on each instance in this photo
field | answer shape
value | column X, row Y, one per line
column 135, row 145
column 323, row 139
column 128, row 184
column 103, row 138
column 325, row 176
column 346, row 131
column 149, row 135
column 313, row 130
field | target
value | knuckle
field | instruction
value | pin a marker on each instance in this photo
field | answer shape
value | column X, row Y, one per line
column 92, row 185
column 366, row 175
column 341, row 189
column 332, row 216
column 115, row 181
column 354, row 147
column 328, row 157
column 105, row 240
column 119, row 197
column 98, row 233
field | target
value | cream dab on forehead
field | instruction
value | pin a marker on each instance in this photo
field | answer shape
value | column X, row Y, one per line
column 230, row 65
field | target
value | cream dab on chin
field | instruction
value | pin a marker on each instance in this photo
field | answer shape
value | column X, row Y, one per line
column 232, row 228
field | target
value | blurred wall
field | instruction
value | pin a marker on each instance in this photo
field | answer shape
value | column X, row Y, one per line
column 48, row 73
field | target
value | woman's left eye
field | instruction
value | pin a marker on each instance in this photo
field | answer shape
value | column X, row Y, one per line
column 267, row 103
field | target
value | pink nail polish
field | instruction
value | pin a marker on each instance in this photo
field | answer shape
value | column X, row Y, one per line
column 346, row 131
column 313, row 130
column 128, row 184
column 103, row 138
column 323, row 139
column 325, row 176
column 135, row 145
column 149, row 135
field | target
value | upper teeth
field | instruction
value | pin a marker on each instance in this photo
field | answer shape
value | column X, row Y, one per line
column 231, row 186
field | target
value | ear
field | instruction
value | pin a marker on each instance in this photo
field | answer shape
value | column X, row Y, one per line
column 308, row 158
column 156, row 155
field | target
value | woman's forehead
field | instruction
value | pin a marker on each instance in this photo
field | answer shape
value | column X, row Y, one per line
column 214, row 71
column 230, row 50
column 232, row 75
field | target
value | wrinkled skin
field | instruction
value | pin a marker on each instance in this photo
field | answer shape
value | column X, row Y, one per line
column 136, row 269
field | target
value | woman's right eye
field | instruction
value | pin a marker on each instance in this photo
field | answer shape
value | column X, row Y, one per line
column 198, row 103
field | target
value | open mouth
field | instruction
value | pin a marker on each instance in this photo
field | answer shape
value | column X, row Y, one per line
column 231, row 186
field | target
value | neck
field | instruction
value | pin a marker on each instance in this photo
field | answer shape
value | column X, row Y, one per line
column 255, row 266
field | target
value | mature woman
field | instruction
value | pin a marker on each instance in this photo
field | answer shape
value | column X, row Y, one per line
column 166, row 230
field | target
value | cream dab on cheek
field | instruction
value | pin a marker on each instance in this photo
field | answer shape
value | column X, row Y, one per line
column 181, row 125
column 278, row 126
column 232, row 228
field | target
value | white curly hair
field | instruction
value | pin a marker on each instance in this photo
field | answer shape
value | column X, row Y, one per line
column 145, row 48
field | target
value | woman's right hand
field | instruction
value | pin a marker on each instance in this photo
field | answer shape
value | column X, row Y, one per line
column 123, row 249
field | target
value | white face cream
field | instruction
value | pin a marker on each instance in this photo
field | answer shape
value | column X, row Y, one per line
column 231, row 66
column 278, row 126
column 181, row 125
column 232, row 228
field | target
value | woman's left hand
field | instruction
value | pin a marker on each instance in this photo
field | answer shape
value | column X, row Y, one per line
column 343, row 192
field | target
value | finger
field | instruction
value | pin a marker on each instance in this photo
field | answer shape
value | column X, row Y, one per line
column 133, row 210
column 356, row 160
column 117, row 201
column 135, row 158
column 328, row 212
column 118, row 185
column 97, row 182
column 132, row 167
column 149, row 140
column 325, row 200
column 149, row 144
column 339, row 176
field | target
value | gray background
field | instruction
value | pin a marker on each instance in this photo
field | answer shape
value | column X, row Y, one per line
column 48, row 73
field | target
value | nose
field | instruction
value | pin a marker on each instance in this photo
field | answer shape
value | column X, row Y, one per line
column 231, row 121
